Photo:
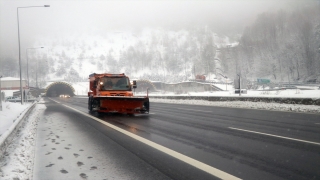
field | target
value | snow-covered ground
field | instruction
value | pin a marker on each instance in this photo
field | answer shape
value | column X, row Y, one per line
column 17, row 162
column 246, row 104
column 289, row 93
column 10, row 112
column 292, row 93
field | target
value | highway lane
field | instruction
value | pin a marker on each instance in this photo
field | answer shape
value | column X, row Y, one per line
column 203, row 133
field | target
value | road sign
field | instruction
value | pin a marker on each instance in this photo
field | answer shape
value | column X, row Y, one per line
column 263, row 81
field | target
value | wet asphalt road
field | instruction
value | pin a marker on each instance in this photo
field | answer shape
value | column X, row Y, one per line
column 73, row 146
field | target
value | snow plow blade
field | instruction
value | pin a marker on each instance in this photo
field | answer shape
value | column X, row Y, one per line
column 116, row 104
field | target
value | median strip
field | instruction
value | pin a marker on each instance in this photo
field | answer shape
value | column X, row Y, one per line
column 283, row 137
column 195, row 163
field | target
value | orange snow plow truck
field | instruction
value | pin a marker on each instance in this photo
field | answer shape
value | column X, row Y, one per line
column 113, row 93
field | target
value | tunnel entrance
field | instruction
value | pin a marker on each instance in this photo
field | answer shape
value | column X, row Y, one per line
column 59, row 88
column 143, row 85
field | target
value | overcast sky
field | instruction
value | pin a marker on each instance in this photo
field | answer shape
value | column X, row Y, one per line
column 66, row 17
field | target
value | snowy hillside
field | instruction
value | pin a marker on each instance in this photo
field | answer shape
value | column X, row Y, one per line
column 154, row 54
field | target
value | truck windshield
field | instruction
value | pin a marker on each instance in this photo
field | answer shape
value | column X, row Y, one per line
column 114, row 83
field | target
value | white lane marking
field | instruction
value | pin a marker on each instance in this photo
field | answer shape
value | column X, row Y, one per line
column 317, row 123
column 197, row 164
column 283, row 137
column 193, row 110
column 144, row 114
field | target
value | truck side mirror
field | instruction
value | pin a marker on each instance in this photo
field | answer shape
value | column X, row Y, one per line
column 134, row 84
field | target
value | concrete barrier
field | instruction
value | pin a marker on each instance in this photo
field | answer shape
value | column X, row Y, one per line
column 305, row 101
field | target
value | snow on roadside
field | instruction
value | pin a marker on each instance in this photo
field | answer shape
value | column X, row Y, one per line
column 246, row 104
column 17, row 162
column 288, row 93
column 10, row 112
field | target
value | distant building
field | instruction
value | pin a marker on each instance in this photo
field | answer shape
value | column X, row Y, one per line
column 11, row 84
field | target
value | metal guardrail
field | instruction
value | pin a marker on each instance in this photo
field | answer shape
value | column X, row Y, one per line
column 8, row 135
column 211, row 82
column 19, row 100
column 216, row 88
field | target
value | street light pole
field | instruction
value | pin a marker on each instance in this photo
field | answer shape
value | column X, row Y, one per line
column 0, row 94
column 37, row 74
column 239, row 84
column 21, row 93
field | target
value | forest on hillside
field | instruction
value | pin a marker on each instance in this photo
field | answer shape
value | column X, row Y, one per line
column 282, row 46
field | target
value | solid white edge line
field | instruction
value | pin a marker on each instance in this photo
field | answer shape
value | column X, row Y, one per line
column 197, row 164
column 283, row 137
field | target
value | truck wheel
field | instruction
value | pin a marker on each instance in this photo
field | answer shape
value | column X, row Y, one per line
column 90, row 104
column 147, row 106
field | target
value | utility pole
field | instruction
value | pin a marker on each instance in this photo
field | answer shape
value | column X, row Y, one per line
column 37, row 74
column 240, row 85
column 194, row 71
column 0, row 94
